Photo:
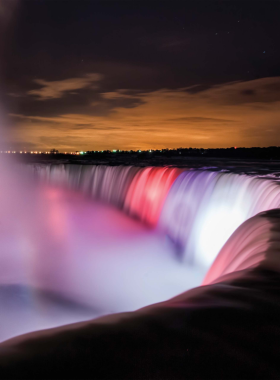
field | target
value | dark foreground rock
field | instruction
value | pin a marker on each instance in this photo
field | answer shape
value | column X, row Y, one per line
column 227, row 330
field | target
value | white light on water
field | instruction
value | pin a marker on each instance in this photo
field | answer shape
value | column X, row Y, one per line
column 218, row 224
column 54, row 239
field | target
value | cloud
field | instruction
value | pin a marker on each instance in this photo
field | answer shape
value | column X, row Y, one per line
column 15, row 95
column 64, row 121
column 120, row 94
column 232, row 114
column 56, row 89
column 264, row 90
column 200, row 120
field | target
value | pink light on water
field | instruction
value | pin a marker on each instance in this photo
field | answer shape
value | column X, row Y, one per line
column 255, row 243
column 53, row 239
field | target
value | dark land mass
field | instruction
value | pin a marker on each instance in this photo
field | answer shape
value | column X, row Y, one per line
column 261, row 161
column 270, row 153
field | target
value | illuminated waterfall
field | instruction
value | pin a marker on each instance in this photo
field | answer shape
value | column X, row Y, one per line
column 147, row 192
column 204, row 208
column 255, row 243
column 140, row 191
column 197, row 209
column 107, row 183
column 57, row 241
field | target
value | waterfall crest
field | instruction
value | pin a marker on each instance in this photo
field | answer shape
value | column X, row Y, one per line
column 204, row 208
column 197, row 209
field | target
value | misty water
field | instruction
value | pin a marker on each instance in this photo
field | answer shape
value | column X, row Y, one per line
column 78, row 242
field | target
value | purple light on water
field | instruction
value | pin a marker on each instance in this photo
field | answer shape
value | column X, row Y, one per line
column 66, row 257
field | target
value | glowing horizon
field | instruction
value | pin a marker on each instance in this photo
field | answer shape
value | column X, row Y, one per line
column 220, row 116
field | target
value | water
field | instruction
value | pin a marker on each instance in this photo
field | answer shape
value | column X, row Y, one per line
column 66, row 258
column 204, row 208
column 197, row 209
column 85, row 241
column 255, row 243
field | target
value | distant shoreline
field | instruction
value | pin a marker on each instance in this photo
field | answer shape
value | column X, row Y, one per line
column 254, row 166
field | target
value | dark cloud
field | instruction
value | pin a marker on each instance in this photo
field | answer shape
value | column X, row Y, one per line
column 84, row 101
column 263, row 90
column 173, row 73
column 248, row 92
column 201, row 120
column 216, row 117
column 57, row 89
column 139, row 44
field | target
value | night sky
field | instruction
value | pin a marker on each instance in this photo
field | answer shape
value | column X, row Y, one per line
column 94, row 75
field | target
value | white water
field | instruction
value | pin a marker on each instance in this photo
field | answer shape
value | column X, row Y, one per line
column 204, row 208
column 66, row 257
column 255, row 243
column 197, row 209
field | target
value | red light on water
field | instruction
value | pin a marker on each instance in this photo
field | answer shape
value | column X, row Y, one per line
column 148, row 191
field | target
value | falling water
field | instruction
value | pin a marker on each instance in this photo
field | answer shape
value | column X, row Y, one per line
column 197, row 209
column 255, row 243
column 66, row 257
column 147, row 193
column 204, row 208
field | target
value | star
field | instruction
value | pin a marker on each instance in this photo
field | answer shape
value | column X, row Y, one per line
column 264, row 52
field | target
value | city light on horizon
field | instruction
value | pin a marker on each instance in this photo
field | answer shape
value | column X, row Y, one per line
column 122, row 100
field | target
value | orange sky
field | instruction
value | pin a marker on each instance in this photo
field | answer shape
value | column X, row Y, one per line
column 241, row 114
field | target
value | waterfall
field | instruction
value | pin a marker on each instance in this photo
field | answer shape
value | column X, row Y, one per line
column 147, row 192
column 255, row 243
column 197, row 209
column 204, row 208
column 107, row 183
column 61, row 248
